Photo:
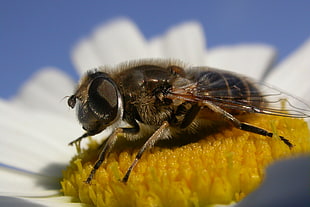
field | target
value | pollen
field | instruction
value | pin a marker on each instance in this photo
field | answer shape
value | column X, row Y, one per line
column 221, row 168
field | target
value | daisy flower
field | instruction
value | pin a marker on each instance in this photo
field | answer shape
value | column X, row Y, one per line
column 38, row 168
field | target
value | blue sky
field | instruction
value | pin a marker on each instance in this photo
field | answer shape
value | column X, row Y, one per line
column 36, row 33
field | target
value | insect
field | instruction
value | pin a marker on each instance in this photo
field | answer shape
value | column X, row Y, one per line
column 161, row 99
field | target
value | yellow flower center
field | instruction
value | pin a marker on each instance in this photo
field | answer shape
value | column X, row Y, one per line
column 219, row 169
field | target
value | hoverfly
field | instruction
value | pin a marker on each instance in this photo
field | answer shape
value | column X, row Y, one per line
column 168, row 98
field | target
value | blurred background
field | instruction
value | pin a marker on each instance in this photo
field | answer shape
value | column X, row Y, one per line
column 36, row 33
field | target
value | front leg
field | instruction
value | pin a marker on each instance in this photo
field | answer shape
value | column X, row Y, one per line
column 107, row 148
column 157, row 135
column 79, row 139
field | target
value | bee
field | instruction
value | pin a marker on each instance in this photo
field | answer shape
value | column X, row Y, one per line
column 162, row 99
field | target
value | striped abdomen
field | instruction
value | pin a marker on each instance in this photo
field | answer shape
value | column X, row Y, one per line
column 228, row 90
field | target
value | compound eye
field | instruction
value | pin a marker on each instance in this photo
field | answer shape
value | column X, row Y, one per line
column 103, row 99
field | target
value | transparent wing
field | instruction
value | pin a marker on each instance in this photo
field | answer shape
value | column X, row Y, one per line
column 282, row 103
column 261, row 98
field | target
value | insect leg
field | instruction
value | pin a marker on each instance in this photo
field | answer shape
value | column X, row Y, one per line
column 257, row 130
column 147, row 145
column 241, row 125
column 79, row 139
column 106, row 149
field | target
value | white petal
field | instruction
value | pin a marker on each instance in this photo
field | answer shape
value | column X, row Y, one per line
column 59, row 201
column 121, row 41
column 35, row 141
column 185, row 42
column 292, row 74
column 286, row 185
column 85, row 57
column 112, row 43
column 46, row 91
column 249, row 59
column 21, row 183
